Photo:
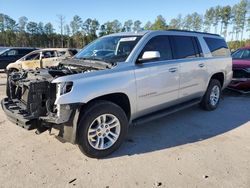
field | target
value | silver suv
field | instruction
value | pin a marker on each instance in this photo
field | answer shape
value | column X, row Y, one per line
column 118, row 80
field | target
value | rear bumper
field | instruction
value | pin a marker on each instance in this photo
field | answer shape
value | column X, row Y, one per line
column 17, row 115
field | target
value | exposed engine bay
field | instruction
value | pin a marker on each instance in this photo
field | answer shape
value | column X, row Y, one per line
column 31, row 94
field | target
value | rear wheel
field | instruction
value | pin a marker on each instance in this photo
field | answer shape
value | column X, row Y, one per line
column 212, row 96
column 101, row 129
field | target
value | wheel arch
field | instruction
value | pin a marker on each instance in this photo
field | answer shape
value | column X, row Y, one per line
column 218, row 76
column 120, row 99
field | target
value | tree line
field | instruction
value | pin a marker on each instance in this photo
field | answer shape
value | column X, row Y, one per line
column 229, row 21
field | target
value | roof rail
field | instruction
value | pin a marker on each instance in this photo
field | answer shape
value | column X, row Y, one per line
column 179, row 30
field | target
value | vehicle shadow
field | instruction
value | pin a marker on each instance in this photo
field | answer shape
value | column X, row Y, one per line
column 187, row 126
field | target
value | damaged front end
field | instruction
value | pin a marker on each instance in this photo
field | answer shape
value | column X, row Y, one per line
column 31, row 96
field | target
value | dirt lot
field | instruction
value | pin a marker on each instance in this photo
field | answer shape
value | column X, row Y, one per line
column 191, row 148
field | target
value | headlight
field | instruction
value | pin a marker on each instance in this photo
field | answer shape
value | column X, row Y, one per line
column 64, row 87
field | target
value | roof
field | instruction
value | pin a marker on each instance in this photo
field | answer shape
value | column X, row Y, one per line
column 196, row 32
column 137, row 33
column 171, row 31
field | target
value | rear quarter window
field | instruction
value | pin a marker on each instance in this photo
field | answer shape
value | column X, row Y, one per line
column 217, row 47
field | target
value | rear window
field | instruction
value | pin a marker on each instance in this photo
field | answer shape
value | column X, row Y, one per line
column 185, row 47
column 218, row 47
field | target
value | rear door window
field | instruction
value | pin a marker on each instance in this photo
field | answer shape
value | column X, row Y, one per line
column 185, row 47
column 49, row 54
column 217, row 47
column 61, row 53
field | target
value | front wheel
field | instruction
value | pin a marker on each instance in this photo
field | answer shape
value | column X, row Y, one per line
column 212, row 96
column 101, row 129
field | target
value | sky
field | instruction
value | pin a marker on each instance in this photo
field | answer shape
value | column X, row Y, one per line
column 105, row 10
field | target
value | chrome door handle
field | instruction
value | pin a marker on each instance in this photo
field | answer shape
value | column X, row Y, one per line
column 201, row 65
column 172, row 70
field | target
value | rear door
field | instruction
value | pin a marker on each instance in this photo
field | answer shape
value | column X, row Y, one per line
column 157, row 80
column 193, row 70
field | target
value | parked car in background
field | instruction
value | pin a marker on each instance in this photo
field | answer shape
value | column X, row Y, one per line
column 9, row 55
column 42, row 58
column 241, row 69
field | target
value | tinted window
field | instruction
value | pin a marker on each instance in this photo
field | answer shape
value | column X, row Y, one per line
column 24, row 51
column 10, row 53
column 197, row 47
column 184, row 47
column 218, row 47
column 160, row 44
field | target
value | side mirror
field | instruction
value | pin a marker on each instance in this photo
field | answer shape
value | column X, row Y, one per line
column 149, row 55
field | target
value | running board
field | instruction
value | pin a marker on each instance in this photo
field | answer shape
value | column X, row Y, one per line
column 165, row 112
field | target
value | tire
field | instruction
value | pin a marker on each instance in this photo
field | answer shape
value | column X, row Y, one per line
column 94, row 124
column 209, row 102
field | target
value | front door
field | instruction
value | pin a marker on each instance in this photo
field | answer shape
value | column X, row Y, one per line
column 32, row 61
column 157, row 80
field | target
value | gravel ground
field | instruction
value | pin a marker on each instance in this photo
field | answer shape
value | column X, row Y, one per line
column 191, row 148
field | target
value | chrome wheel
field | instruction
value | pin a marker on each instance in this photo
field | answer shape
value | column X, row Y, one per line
column 104, row 131
column 215, row 95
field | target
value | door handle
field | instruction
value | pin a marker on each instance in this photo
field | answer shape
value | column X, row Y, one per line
column 201, row 65
column 172, row 70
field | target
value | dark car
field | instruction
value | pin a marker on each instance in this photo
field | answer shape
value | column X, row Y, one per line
column 10, row 55
column 241, row 69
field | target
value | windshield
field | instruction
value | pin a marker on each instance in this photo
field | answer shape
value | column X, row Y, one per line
column 109, row 49
column 241, row 54
column 3, row 50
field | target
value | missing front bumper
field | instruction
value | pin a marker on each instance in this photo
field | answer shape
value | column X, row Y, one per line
column 17, row 115
column 66, row 123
